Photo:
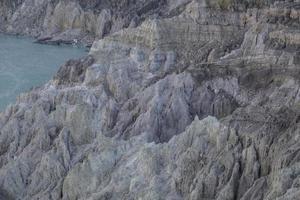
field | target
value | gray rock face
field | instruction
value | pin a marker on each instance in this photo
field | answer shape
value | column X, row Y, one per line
column 72, row 21
column 200, row 103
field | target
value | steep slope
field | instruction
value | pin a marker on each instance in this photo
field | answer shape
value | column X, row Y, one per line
column 69, row 21
column 200, row 104
column 66, row 21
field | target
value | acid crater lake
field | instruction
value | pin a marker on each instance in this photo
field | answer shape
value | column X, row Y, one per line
column 25, row 64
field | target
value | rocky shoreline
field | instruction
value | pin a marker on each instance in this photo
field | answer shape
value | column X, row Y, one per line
column 66, row 21
column 195, row 100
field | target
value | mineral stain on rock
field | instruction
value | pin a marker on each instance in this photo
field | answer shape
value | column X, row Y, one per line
column 186, row 99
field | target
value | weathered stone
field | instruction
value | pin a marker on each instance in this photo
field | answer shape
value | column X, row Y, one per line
column 199, row 101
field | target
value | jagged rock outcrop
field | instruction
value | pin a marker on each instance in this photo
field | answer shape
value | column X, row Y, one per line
column 73, row 21
column 202, row 103
column 69, row 21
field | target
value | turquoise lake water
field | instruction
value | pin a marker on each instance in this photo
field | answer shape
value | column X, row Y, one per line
column 24, row 64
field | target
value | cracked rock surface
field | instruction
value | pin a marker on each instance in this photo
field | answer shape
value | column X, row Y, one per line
column 198, row 103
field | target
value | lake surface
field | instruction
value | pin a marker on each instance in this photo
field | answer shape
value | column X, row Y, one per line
column 24, row 64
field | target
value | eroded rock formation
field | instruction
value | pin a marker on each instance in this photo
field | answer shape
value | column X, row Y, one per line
column 201, row 103
column 66, row 21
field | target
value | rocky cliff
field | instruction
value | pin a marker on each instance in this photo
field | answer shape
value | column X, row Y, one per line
column 66, row 21
column 69, row 21
column 198, row 103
